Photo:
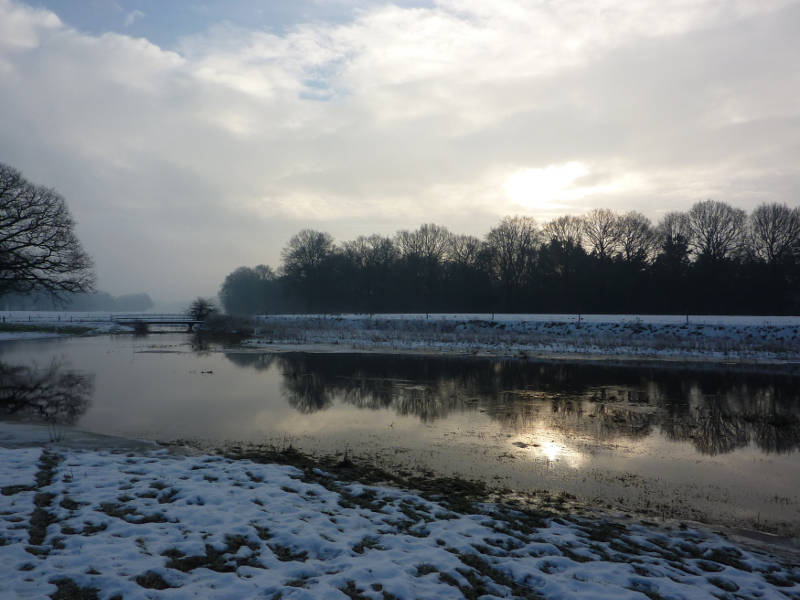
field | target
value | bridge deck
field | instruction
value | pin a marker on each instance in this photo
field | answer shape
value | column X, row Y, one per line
column 158, row 321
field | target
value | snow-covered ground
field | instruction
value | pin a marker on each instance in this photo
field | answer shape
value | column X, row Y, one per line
column 24, row 325
column 52, row 317
column 110, row 524
column 660, row 336
column 568, row 318
column 6, row 336
column 708, row 337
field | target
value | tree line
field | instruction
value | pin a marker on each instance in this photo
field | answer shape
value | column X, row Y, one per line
column 77, row 301
column 711, row 259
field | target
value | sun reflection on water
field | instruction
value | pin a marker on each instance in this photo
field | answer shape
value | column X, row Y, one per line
column 551, row 449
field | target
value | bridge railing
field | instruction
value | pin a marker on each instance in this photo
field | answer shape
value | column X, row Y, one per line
column 177, row 317
column 88, row 317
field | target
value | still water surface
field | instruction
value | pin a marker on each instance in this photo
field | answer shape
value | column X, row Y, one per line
column 716, row 445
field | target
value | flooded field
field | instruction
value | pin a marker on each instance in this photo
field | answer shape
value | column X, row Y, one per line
column 716, row 445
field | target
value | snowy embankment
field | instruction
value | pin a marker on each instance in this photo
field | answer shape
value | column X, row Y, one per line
column 90, row 524
column 708, row 337
column 26, row 325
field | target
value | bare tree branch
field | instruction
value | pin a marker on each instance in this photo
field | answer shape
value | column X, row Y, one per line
column 38, row 246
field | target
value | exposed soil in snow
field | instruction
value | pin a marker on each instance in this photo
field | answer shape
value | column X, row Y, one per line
column 152, row 524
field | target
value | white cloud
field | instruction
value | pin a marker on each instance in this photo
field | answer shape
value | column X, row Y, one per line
column 213, row 155
column 22, row 27
column 132, row 17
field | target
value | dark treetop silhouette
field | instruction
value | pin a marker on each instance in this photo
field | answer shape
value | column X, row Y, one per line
column 38, row 246
column 712, row 259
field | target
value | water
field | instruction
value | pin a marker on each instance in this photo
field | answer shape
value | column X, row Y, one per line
column 715, row 445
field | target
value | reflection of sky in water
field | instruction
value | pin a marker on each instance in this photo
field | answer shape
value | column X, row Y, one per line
column 597, row 432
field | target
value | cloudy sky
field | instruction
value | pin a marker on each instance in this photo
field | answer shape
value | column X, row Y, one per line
column 193, row 137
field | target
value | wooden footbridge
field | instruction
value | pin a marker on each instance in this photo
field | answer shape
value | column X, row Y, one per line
column 146, row 320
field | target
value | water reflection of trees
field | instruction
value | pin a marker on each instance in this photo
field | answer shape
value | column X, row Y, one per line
column 719, row 419
column 257, row 361
column 52, row 394
column 717, row 411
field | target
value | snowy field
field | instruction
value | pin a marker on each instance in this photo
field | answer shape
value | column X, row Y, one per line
column 660, row 336
column 13, row 323
column 707, row 337
column 88, row 524
column 54, row 317
column 777, row 320
column 42, row 324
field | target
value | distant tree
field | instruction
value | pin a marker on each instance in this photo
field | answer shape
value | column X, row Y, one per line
column 774, row 231
column 717, row 230
column 306, row 252
column 201, row 309
column 673, row 227
column 774, row 250
column 563, row 266
column 468, row 275
column 566, row 229
column 601, row 228
column 38, row 246
column 672, row 239
column 717, row 236
column 465, row 250
column 370, row 261
column 248, row 291
column 304, row 267
column 430, row 242
column 424, row 252
column 637, row 240
column 513, row 249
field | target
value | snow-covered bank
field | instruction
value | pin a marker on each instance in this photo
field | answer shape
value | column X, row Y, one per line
column 7, row 336
column 662, row 337
column 27, row 325
column 113, row 525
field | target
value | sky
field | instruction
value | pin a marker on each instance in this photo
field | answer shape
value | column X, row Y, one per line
column 190, row 138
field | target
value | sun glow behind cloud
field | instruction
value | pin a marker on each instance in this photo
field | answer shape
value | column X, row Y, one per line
column 562, row 187
column 548, row 187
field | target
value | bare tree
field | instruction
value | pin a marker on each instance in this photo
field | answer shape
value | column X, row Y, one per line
column 430, row 242
column 637, row 239
column 774, row 232
column 374, row 251
column 372, row 258
column 513, row 244
column 425, row 252
column 465, row 250
column 306, row 252
column 201, row 309
column 602, row 230
column 673, row 228
column 717, row 231
column 308, row 269
column 566, row 230
column 38, row 246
